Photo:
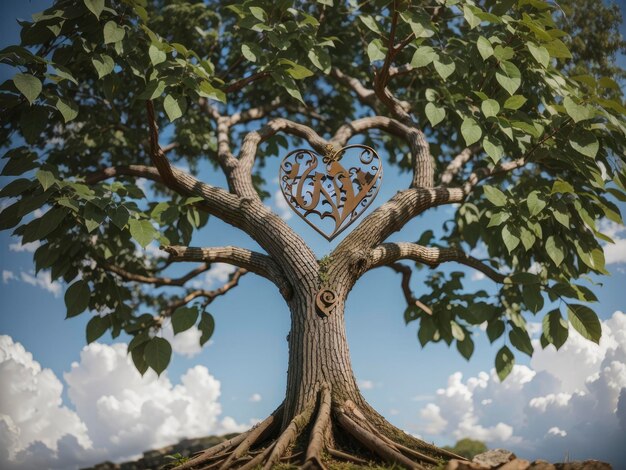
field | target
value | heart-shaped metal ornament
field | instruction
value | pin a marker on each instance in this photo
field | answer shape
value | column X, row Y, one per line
column 332, row 195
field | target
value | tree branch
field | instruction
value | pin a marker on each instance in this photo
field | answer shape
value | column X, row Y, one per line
column 457, row 164
column 484, row 173
column 157, row 281
column 242, row 175
column 420, row 150
column 365, row 95
column 239, row 84
column 159, row 159
column 388, row 253
column 406, row 273
column 138, row 171
column 210, row 295
column 252, row 261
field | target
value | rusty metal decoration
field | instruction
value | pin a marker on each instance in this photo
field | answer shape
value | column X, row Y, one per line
column 326, row 302
column 332, row 198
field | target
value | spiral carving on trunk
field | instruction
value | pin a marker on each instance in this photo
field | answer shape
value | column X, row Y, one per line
column 326, row 302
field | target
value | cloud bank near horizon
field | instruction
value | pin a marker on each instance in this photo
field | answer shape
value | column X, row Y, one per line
column 117, row 412
column 569, row 404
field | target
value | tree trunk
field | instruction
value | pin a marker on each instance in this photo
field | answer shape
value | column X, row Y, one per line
column 324, row 418
column 318, row 354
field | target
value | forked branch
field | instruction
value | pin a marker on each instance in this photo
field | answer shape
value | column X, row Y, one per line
column 157, row 281
column 252, row 261
column 209, row 295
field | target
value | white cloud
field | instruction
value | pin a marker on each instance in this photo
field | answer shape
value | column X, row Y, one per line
column 31, row 408
column 255, row 398
column 614, row 253
column 366, row 384
column 42, row 280
column 185, row 343
column 557, row 432
column 28, row 247
column 571, row 402
column 118, row 412
column 477, row 276
column 218, row 274
column 281, row 205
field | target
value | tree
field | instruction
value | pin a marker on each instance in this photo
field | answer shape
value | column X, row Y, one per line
column 478, row 95
column 468, row 448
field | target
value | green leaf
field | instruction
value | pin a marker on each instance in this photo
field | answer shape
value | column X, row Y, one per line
column 138, row 358
column 77, row 298
column 434, row 114
column 520, row 339
column 585, row 142
column 493, row 147
column 555, row 328
column 251, row 52
column 96, row 327
column 184, row 318
column 206, row 327
column 558, row 49
column 157, row 56
column 46, row 179
column 484, row 47
column 423, row 56
column 576, row 111
column 174, row 107
column 33, row 122
column 258, row 13
column 113, row 33
column 585, row 321
column 470, row 17
column 533, row 299
column 297, row 71
column 103, row 64
column 490, row 107
column 511, row 240
column 320, row 58
column 153, row 90
column 509, row 77
column 119, row 216
column 495, row 328
column 498, row 219
column 504, row 362
column 515, row 102
column 540, row 53
column 466, row 347
column 427, row 330
column 157, row 354
column 376, row 50
column 554, row 248
column 444, row 66
column 370, row 23
column 28, row 85
column 142, row 231
column 68, row 109
column 95, row 6
column 527, row 237
column 535, row 203
column 495, row 196
column 471, row 131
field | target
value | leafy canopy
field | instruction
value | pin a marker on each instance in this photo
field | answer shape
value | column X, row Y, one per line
column 501, row 78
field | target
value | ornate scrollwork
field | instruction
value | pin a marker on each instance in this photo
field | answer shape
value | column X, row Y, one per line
column 336, row 197
column 326, row 302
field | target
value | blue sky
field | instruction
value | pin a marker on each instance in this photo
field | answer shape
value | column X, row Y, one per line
column 83, row 394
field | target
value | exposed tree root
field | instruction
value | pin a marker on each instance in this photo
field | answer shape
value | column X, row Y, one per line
column 329, row 423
